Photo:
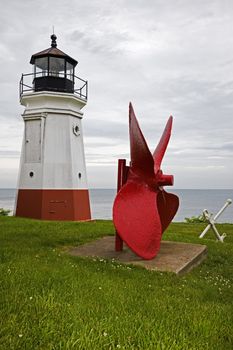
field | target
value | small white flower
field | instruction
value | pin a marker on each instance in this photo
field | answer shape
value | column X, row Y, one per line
column 100, row 287
column 105, row 334
column 20, row 335
column 30, row 298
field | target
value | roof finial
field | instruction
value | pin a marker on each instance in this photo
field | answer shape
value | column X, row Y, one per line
column 54, row 38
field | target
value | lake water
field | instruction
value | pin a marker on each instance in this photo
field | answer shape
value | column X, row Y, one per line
column 192, row 202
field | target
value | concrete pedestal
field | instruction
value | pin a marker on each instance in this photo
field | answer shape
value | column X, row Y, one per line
column 175, row 257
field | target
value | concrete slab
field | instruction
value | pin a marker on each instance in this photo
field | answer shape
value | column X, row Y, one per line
column 175, row 257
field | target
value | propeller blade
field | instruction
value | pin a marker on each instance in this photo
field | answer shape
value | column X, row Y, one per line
column 168, row 204
column 142, row 163
column 137, row 220
column 162, row 145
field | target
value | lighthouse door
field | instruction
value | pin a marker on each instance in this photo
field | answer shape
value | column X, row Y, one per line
column 33, row 141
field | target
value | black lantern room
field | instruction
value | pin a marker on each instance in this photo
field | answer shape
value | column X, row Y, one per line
column 53, row 69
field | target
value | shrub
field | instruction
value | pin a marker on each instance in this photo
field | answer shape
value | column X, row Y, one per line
column 4, row 212
column 196, row 219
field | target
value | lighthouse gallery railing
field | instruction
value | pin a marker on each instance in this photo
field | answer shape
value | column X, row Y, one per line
column 27, row 85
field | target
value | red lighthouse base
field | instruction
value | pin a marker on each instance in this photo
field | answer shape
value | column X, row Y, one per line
column 69, row 205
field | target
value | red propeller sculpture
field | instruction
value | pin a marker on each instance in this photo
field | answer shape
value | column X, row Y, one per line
column 142, row 210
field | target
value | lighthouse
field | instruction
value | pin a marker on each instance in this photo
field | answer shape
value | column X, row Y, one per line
column 52, row 182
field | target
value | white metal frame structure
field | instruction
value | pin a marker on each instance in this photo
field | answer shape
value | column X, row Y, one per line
column 211, row 220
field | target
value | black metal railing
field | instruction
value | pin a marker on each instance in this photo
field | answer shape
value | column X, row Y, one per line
column 33, row 82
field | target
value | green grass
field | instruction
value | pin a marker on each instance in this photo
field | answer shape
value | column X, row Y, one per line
column 50, row 300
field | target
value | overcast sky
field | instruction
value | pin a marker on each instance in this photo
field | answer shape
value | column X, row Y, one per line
column 167, row 57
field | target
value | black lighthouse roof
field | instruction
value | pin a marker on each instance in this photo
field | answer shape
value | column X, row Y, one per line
column 53, row 51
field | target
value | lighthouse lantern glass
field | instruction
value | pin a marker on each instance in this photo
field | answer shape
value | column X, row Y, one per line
column 69, row 71
column 57, row 67
column 53, row 66
column 41, row 66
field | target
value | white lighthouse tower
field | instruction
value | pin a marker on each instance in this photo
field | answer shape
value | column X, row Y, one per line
column 52, row 179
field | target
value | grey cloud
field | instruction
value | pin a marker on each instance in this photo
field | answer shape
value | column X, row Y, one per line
column 106, row 129
column 10, row 154
column 103, row 43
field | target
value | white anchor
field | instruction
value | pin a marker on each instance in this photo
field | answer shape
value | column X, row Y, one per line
column 211, row 220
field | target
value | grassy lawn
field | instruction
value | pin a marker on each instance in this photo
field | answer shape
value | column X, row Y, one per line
column 50, row 300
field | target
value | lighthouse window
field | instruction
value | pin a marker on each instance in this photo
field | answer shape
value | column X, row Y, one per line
column 56, row 66
column 76, row 130
column 31, row 174
column 69, row 71
column 41, row 66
